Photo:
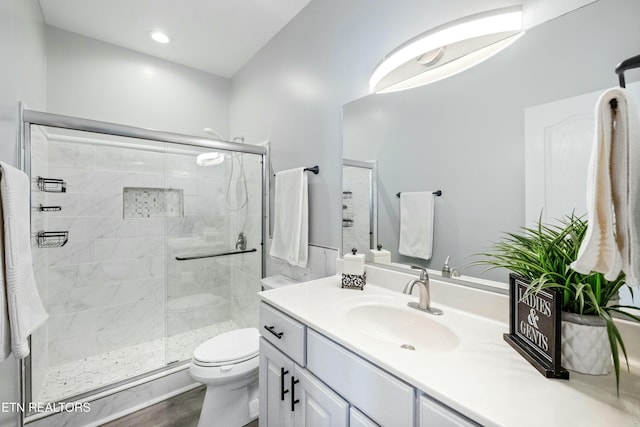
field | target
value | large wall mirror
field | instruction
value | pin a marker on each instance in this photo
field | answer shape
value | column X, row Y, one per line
column 465, row 135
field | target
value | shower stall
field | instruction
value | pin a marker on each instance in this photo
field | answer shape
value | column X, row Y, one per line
column 145, row 244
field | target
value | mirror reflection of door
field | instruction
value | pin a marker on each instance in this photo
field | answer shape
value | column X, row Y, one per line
column 359, row 219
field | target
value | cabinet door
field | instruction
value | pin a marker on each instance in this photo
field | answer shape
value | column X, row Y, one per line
column 435, row 414
column 358, row 419
column 276, row 371
column 316, row 405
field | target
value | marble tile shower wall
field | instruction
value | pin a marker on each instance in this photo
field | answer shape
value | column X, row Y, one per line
column 39, row 347
column 106, row 286
column 246, row 269
column 355, row 203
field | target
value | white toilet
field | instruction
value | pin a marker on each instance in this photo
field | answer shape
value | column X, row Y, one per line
column 228, row 365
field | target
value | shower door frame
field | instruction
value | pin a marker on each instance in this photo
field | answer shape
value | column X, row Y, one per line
column 29, row 117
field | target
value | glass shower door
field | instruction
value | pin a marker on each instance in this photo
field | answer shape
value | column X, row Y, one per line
column 99, row 267
column 140, row 254
column 214, row 251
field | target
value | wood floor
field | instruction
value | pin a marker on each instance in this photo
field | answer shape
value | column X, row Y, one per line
column 179, row 411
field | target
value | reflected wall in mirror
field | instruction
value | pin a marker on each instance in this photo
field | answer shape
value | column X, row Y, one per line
column 359, row 205
column 465, row 135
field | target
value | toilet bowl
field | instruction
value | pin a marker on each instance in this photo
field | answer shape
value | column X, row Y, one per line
column 228, row 365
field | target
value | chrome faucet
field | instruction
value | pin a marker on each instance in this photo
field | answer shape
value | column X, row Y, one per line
column 448, row 271
column 424, row 296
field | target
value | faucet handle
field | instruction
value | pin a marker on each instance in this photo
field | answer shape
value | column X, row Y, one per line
column 446, row 270
column 424, row 275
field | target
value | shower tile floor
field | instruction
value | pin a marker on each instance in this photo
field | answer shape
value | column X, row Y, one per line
column 73, row 378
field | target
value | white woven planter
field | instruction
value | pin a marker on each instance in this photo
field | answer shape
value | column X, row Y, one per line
column 585, row 344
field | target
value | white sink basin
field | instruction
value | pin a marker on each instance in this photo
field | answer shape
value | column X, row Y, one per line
column 403, row 328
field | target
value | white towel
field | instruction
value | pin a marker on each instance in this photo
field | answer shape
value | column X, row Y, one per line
column 21, row 310
column 291, row 217
column 612, row 240
column 416, row 224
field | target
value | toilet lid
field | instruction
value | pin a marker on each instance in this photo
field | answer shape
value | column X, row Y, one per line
column 232, row 346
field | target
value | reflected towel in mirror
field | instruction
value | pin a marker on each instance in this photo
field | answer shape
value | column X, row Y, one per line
column 416, row 224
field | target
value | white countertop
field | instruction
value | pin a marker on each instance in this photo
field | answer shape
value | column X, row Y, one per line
column 482, row 378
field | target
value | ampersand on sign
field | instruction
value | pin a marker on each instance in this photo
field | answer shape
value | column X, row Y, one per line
column 533, row 318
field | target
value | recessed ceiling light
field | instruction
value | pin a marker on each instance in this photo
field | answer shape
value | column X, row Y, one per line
column 160, row 37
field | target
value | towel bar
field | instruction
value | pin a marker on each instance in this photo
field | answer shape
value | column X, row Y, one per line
column 43, row 208
column 437, row 193
column 314, row 169
column 200, row 256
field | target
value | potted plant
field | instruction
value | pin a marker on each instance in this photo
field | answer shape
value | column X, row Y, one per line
column 542, row 256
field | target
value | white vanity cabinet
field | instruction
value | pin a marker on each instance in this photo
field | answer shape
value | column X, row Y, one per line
column 276, row 371
column 322, row 383
column 381, row 396
column 290, row 395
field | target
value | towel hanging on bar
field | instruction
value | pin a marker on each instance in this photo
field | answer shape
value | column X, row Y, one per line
column 416, row 224
column 291, row 218
column 613, row 192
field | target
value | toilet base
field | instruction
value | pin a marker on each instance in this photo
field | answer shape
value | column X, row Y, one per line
column 228, row 406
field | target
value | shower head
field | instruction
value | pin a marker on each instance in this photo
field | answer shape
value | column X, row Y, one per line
column 213, row 158
column 213, row 133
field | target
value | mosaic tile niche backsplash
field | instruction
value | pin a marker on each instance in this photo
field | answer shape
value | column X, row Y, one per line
column 141, row 203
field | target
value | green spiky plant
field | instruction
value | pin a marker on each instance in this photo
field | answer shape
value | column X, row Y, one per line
column 542, row 256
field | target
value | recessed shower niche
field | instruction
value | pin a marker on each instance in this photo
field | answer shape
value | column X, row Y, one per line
column 152, row 202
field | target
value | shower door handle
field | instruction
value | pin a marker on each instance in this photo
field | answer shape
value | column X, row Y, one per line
column 293, row 393
column 272, row 330
column 282, row 390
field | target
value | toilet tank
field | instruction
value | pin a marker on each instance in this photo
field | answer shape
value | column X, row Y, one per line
column 276, row 281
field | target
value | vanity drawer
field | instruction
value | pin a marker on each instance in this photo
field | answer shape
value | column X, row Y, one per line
column 434, row 413
column 382, row 397
column 283, row 332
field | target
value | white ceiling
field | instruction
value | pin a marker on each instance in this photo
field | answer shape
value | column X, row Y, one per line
column 216, row 36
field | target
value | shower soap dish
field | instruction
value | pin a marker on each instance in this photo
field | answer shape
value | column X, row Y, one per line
column 353, row 271
column 51, row 185
column 52, row 239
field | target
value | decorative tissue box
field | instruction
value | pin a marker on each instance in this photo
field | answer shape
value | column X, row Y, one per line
column 354, row 281
column 353, row 271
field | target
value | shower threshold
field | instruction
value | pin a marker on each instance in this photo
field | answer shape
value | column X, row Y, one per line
column 67, row 380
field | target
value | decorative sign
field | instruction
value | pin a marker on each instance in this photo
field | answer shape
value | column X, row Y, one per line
column 534, row 327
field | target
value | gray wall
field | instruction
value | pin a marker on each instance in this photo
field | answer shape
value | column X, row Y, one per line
column 22, row 77
column 292, row 91
column 96, row 80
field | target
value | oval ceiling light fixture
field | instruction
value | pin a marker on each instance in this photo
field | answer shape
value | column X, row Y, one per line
column 160, row 37
column 447, row 50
